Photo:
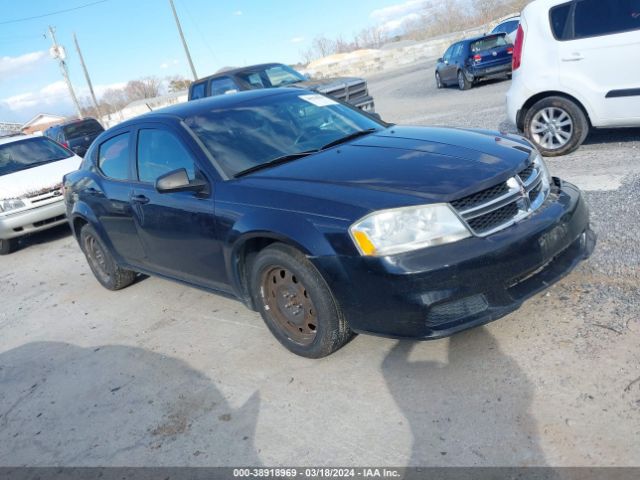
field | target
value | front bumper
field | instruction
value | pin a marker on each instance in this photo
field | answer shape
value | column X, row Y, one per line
column 33, row 220
column 439, row 291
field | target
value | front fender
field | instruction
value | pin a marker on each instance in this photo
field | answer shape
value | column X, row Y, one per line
column 307, row 233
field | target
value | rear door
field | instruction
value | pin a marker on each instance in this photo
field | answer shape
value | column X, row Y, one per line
column 491, row 51
column 176, row 229
column 599, row 44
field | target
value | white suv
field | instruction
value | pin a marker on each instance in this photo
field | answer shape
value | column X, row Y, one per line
column 576, row 65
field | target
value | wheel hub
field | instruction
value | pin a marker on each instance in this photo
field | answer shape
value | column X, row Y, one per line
column 552, row 128
column 288, row 303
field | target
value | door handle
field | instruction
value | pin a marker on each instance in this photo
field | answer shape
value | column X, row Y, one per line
column 576, row 57
column 140, row 199
column 93, row 192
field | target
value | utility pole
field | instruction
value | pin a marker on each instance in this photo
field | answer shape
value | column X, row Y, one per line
column 184, row 42
column 57, row 52
column 86, row 75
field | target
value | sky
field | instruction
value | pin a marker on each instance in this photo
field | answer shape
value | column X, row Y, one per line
column 123, row 40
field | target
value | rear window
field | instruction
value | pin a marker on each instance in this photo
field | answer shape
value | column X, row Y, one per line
column 222, row 86
column 28, row 153
column 594, row 18
column 80, row 129
column 488, row 43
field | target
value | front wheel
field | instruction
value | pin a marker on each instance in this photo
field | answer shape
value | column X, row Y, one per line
column 8, row 246
column 463, row 83
column 439, row 83
column 556, row 126
column 110, row 275
column 296, row 303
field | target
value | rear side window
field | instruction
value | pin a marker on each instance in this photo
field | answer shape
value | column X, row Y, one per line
column 593, row 18
column 113, row 157
column 197, row 91
column 161, row 152
column 220, row 86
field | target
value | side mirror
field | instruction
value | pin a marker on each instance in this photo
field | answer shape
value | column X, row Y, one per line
column 440, row 60
column 178, row 181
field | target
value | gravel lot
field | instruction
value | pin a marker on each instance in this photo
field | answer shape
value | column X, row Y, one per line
column 162, row 374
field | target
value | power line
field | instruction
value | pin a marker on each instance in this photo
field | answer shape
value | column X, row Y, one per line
column 16, row 20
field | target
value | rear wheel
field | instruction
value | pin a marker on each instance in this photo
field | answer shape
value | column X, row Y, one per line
column 463, row 83
column 556, row 125
column 106, row 270
column 9, row 245
column 296, row 303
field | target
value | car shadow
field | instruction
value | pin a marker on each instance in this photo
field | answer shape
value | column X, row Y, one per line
column 65, row 405
column 472, row 409
column 45, row 236
column 619, row 135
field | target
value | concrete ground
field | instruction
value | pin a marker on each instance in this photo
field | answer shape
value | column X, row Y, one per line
column 162, row 374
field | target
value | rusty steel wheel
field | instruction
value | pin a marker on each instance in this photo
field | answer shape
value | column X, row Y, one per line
column 296, row 303
column 287, row 300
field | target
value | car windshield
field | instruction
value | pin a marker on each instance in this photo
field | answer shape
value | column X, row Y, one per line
column 28, row 153
column 255, row 132
column 488, row 43
column 82, row 128
column 274, row 76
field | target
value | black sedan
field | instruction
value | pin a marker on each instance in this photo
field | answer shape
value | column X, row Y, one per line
column 324, row 219
column 467, row 62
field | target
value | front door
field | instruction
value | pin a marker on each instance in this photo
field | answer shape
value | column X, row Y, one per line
column 177, row 229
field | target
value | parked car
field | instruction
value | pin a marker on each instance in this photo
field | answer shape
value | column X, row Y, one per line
column 76, row 135
column 31, row 170
column 467, row 62
column 575, row 69
column 352, row 90
column 508, row 26
column 324, row 219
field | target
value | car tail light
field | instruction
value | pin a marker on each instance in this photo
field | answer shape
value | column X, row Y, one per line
column 510, row 50
column 65, row 144
column 477, row 58
column 517, row 49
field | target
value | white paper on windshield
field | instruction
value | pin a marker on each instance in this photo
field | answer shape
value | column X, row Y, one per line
column 318, row 100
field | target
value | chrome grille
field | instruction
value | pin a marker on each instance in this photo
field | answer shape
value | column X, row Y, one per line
column 495, row 208
column 349, row 92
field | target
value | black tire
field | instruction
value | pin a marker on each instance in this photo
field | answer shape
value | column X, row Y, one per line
column 330, row 330
column 8, row 246
column 110, row 275
column 439, row 83
column 463, row 82
column 576, row 133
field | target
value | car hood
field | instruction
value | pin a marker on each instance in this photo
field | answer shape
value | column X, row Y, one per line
column 32, row 180
column 431, row 164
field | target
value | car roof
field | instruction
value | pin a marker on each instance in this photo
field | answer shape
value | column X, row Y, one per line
column 194, row 107
column 17, row 138
column 233, row 71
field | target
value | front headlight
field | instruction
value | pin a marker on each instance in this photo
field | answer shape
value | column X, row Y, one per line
column 541, row 165
column 11, row 204
column 398, row 230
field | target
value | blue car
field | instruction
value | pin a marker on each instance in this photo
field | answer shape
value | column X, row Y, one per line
column 467, row 62
column 325, row 219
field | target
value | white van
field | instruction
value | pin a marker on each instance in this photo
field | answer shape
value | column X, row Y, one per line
column 576, row 65
column 31, row 199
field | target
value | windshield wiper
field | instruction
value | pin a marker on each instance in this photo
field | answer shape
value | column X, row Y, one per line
column 274, row 162
column 351, row 136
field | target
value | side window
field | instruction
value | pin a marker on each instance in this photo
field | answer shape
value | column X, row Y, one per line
column 220, row 86
column 160, row 152
column 595, row 17
column 510, row 27
column 457, row 53
column 113, row 157
column 198, row 91
column 60, row 137
column 447, row 54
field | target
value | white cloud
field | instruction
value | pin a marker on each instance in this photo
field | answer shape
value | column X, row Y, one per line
column 238, row 13
column 164, row 65
column 392, row 18
column 297, row 40
column 10, row 66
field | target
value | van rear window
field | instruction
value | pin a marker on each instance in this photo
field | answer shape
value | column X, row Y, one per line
column 82, row 128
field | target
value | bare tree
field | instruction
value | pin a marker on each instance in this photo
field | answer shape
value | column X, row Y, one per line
column 146, row 87
column 178, row 83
